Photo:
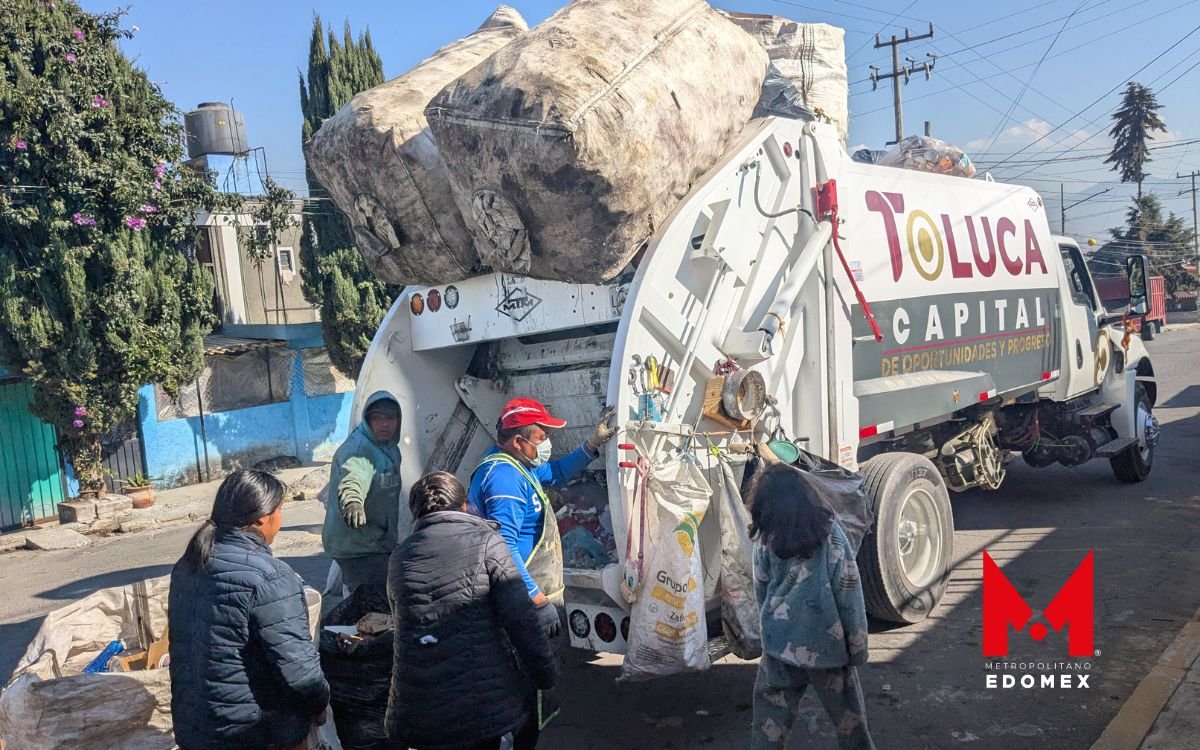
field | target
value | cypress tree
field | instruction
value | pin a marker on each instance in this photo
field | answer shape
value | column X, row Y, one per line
column 353, row 302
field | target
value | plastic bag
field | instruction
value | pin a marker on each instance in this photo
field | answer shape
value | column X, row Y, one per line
column 843, row 490
column 840, row 488
column 359, row 673
column 740, row 618
column 925, row 154
column 668, row 632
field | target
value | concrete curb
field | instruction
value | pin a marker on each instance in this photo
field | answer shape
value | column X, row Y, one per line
column 1130, row 727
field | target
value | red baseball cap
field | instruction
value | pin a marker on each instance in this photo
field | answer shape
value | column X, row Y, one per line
column 522, row 412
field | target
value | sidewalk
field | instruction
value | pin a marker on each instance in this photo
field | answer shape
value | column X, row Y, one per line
column 1163, row 713
column 171, row 507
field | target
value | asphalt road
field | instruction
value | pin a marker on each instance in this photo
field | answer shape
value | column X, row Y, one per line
column 925, row 683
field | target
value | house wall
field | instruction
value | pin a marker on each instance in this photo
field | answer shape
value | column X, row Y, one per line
column 193, row 449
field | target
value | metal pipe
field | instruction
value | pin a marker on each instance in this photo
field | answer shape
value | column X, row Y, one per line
column 779, row 313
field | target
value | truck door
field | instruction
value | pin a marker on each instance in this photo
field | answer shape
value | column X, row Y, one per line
column 1080, row 329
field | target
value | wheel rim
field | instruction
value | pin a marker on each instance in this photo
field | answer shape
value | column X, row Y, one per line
column 1147, row 425
column 919, row 538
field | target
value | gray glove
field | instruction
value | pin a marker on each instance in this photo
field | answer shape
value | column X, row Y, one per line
column 604, row 430
column 549, row 620
column 353, row 514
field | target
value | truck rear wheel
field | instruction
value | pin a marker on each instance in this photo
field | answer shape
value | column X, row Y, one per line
column 1134, row 464
column 905, row 560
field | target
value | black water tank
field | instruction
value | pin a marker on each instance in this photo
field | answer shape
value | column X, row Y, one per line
column 214, row 128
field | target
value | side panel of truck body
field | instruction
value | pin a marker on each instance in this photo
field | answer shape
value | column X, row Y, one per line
column 964, row 279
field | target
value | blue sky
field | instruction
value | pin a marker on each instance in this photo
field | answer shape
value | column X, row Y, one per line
column 1040, row 76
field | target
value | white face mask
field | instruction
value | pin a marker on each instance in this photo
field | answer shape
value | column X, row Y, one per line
column 543, row 452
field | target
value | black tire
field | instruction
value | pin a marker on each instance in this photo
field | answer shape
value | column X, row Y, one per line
column 1148, row 330
column 890, row 479
column 1131, row 466
column 1038, row 459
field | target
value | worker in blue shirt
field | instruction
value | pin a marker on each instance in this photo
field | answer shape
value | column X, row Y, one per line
column 507, row 488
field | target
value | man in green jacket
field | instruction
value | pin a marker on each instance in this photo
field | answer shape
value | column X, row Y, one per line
column 362, row 512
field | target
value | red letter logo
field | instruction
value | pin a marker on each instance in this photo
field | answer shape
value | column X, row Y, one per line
column 1073, row 606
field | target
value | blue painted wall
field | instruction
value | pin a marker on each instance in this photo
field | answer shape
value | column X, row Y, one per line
column 307, row 428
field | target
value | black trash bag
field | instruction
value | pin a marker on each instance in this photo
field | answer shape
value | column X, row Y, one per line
column 360, row 673
column 842, row 490
column 781, row 98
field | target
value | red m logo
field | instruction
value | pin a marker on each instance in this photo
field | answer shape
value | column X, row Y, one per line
column 1073, row 605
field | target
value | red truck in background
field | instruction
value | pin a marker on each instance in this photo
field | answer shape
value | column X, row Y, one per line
column 1114, row 294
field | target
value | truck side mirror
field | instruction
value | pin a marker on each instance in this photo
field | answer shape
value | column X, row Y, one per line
column 1139, row 291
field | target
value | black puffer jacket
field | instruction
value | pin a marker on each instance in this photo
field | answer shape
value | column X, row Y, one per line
column 468, row 648
column 244, row 670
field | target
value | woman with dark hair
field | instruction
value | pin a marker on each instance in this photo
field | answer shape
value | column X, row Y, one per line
column 814, row 622
column 469, row 651
column 244, row 670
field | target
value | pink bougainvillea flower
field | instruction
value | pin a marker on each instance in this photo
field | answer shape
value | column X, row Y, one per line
column 81, row 411
column 70, row 57
column 21, row 145
column 83, row 220
column 99, row 102
column 78, row 34
column 148, row 208
column 136, row 223
column 160, row 169
column 77, row 424
column 158, row 184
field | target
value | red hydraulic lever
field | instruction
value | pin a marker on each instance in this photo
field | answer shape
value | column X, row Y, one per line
column 827, row 206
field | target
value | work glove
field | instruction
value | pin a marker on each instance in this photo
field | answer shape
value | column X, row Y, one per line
column 604, row 430
column 549, row 620
column 353, row 514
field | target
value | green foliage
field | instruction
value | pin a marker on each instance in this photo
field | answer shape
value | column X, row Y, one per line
column 99, row 291
column 270, row 214
column 1135, row 123
column 353, row 302
column 1167, row 241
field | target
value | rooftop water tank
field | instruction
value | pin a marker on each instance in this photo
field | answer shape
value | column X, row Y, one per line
column 214, row 128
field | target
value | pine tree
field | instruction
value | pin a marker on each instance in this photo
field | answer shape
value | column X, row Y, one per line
column 1165, row 241
column 99, row 291
column 353, row 302
column 1135, row 123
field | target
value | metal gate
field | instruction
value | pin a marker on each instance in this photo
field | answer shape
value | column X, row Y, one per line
column 31, row 476
column 121, row 453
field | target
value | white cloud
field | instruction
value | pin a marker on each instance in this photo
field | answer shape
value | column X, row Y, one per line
column 1037, row 135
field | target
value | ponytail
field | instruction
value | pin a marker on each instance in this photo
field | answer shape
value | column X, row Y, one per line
column 243, row 498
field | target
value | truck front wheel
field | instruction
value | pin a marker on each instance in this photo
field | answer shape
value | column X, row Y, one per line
column 905, row 560
column 1133, row 465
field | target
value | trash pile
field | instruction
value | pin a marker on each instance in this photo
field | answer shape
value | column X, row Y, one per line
column 557, row 151
column 925, row 154
column 585, row 525
column 95, row 674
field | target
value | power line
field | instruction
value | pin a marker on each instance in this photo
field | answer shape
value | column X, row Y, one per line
column 1029, row 80
column 1099, row 99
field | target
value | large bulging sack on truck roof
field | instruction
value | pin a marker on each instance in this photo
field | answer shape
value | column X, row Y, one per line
column 376, row 160
column 810, row 55
column 569, row 147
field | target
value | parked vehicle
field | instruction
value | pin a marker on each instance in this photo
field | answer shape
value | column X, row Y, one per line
column 921, row 329
column 1114, row 294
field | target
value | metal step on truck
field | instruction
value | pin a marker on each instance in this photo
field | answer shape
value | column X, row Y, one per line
column 921, row 329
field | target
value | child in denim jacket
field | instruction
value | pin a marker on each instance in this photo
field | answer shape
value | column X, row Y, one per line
column 814, row 622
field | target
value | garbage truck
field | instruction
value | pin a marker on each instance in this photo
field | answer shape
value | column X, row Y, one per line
column 923, row 330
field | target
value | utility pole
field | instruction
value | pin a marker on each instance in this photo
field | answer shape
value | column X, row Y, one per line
column 1062, row 223
column 899, row 72
column 1195, row 224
